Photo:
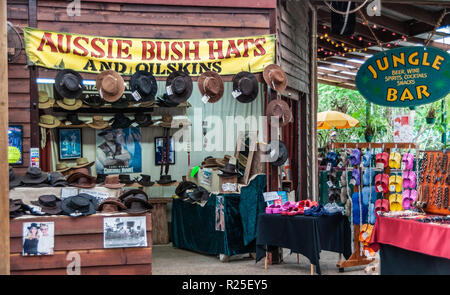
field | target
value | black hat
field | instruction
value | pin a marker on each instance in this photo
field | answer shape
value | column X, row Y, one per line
column 132, row 192
column 49, row 204
column 228, row 171
column 184, row 186
column 143, row 120
column 165, row 101
column 122, row 103
column 79, row 205
column 143, row 86
column 165, row 179
column 57, row 179
column 68, row 83
column 72, row 119
column 100, row 178
column 278, row 158
column 34, row 176
column 179, row 87
column 34, row 224
column 125, row 178
column 137, row 204
column 198, row 194
column 17, row 208
column 247, row 84
column 120, row 121
column 93, row 100
column 14, row 180
column 146, row 180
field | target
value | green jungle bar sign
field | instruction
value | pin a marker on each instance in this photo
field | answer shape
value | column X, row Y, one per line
column 404, row 77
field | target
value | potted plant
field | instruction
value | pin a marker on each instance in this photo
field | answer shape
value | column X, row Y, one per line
column 368, row 133
column 431, row 118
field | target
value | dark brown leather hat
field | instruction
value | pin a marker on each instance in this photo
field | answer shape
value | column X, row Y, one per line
column 211, row 84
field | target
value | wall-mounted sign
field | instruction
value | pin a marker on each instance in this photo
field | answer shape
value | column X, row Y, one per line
column 94, row 54
column 404, row 77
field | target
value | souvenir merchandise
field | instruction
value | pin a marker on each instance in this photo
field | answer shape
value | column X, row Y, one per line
column 125, row 179
column 81, row 178
column 280, row 109
column 79, row 205
column 110, row 85
column 395, row 160
column 112, row 182
column 332, row 158
column 120, row 121
column 49, row 204
column 280, row 159
column 17, row 208
column 355, row 157
column 245, row 87
column 69, row 104
column 382, row 160
column 145, row 180
column 143, row 120
column 179, row 87
column 275, row 77
column 57, row 179
column 68, row 84
column 45, row 102
column 98, row 123
column 211, row 86
column 72, row 119
column 63, row 168
column 143, row 86
column 49, row 121
column 35, row 177
column 92, row 100
column 165, row 179
column 111, row 205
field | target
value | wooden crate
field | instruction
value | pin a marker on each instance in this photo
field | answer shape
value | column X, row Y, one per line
column 83, row 235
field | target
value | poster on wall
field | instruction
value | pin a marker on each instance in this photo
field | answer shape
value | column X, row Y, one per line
column 160, row 145
column 69, row 143
column 15, row 135
column 403, row 128
column 121, row 232
column 118, row 151
column 38, row 238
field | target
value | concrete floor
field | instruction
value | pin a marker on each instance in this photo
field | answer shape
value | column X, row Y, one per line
column 168, row 260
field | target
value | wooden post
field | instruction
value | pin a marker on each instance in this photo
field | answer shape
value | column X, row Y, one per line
column 4, row 180
column 312, row 269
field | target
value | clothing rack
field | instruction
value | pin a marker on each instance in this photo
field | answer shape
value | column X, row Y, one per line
column 356, row 259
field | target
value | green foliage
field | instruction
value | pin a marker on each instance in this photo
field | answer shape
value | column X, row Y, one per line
column 381, row 118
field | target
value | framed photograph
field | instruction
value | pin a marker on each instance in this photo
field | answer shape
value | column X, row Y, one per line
column 122, row 232
column 15, row 144
column 69, row 143
column 160, row 143
column 38, row 238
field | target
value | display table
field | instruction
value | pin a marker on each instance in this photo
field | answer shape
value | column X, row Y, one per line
column 306, row 235
column 194, row 226
column 411, row 247
column 82, row 235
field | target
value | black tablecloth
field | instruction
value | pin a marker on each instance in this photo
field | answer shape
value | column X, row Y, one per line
column 398, row 261
column 306, row 235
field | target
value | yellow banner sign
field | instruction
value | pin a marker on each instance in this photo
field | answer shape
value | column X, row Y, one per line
column 91, row 54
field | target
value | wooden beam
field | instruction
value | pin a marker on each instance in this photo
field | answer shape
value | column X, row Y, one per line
column 335, row 79
column 343, row 61
column 391, row 24
column 346, row 86
column 336, row 67
column 343, row 75
column 4, row 179
column 418, row 13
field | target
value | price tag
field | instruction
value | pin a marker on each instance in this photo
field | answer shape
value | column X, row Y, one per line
column 330, row 184
column 380, row 165
column 100, row 93
column 340, row 165
column 136, row 95
column 169, row 90
column 365, row 235
column 392, row 188
column 380, row 188
column 403, row 165
column 236, row 93
column 353, row 182
column 205, row 98
column 328, row 166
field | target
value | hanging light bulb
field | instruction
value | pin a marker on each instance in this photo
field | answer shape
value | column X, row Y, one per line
column 374, row 26
column 393, row 34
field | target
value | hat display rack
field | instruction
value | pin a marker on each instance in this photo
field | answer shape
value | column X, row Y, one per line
column 363, row 229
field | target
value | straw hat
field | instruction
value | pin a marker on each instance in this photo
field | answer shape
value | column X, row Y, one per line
column 62, row 167
column 275, row 77
column 83, row 162
column 110, row 85
column 70, row 104
column 98, row 123
column 48, row 121
column 45, row 102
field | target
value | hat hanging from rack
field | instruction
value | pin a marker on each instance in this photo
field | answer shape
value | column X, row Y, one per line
column 110, row 85
column 68, row 84
column 211, row 85
column 245, row 87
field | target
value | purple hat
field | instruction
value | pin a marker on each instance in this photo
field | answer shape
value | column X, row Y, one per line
column 356, row 175
column 355, row 157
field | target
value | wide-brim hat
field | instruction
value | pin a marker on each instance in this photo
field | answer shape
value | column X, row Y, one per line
column 198, row 194
column 72, row 119
column 79, row 174
column 49, row 204
column 247, row 84
column 83, row 163
column 282, row 153
column 110, row 85
column 81, row 204
column 62, row 167
column 45, row 102
column 34, row 175
column 229, row 169
column 211, row 84
column 68, row 83
column 112, row 181
column 165, row 179
column 112, row 201
column 48, row 121
column 125, row 178
column 57, row 179
column 165, row 101
column 137, row 204
column 180, row 85
column 120, row 121
column 143, row 86
column 183, row 186
column 275, row 77
column 70, row 104
column 146, row 180
column 143, row 120
column 279, row 108
column 14, row 180
column 131, row 192
column 93, row 100
column 122, row 103
column 98, row 123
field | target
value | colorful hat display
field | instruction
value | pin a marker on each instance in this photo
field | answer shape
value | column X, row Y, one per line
column 211, row 84
column 48, row 121
column 275, row 77
column 45, row 102
column 280, row 109
column 68, row 84
column 143, row 86
column 110, row 85
column 246, row 84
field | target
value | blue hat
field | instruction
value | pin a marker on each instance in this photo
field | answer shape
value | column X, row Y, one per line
column 367, row 159
column 368, row 176
column 355, row 205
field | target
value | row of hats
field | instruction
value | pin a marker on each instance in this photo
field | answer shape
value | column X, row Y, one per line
column 132, row 201
column 191, row 192
column 119, row 121
column 68, row 87
column 383, row 160
column 34, row 177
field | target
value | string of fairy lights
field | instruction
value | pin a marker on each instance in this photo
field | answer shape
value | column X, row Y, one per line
column 342, row 49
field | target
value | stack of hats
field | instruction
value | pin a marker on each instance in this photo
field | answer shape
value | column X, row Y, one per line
column 190, row 192
column 17, row 208
column 136, row 201
column 57, row 179
column 34, row 177
column 81, row 178
column 210, row 162
column 80, row 163
column 229, row 171
column 111, row 205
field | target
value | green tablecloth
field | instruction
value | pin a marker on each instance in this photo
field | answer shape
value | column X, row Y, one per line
column 323, row 186
column 194, row 226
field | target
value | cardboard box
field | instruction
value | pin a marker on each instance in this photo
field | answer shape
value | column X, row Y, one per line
column 228, row 185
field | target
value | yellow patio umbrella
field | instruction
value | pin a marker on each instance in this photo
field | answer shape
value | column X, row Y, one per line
column 330, row 119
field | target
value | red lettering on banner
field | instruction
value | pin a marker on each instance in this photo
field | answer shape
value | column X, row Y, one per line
column 188, row 51
column 260, row 47
column 232, row 49
column 177, row 53
column 101, row 52
column 124, row 50
column 60, row 45
column 146, row 50
column 158, row 50
column 218, row 50
column 245, row 41
column 47, row 40
column 110, row 46
column 76, row 43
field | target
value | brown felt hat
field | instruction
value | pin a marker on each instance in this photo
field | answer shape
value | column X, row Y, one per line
column 275, row 77
column 211, row 84
column 111, row 205
column 279, row 108
column 110, row 85
column 81, row 178
column 112, row 181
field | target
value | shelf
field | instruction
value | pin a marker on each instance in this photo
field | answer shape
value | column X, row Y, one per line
column 154, row 125
column 132, row 108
